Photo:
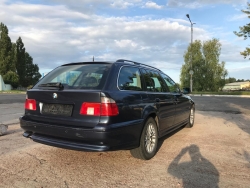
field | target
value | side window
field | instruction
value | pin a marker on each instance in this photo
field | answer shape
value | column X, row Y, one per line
column 129, row 79
column 148, row 81
column 153, row 81
column 170, row 83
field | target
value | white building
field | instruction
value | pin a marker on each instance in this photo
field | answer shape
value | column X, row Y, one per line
column 237, row 86
column 3, row 86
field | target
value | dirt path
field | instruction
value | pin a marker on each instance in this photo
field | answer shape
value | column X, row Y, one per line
column 215, row 152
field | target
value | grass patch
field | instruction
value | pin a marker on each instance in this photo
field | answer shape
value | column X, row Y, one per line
column 13, row 92
column 222, row 93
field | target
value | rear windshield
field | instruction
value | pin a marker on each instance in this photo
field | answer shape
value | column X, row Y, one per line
column 83, row 76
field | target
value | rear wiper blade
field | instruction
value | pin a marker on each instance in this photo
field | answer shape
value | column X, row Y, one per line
column 52, row 84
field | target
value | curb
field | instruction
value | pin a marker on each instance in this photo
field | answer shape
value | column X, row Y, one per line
column 12, row 93
column 207, row 95
column 3, row 129
column 4, row 126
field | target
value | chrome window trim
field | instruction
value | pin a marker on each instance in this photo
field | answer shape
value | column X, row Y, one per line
column 119, row 76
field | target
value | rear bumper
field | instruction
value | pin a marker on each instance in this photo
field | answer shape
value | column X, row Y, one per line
column 109, row 138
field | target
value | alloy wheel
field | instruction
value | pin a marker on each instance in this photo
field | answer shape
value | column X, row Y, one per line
column 150, row 138
column 191, row 119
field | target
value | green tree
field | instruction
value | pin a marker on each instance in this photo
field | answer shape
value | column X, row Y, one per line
column 245, row 32
column 7, row 58
column 16, row 65
column 209, row 73
column 223, row 73
column 5, row 51
column 32, row 71
column 20, row 61
column 36, row 74
column 192, row 57
column 13, row 57
column 230, row 80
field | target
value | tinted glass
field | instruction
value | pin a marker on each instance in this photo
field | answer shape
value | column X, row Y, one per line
column 170, row 83
column 153, row 81
column 83, row 76
column 129, row 79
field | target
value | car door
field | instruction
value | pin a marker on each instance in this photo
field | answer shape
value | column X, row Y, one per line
column 160, row 98
column 182, row 104
column 129, row 96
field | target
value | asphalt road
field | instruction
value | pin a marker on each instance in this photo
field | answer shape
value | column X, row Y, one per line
column 12, row 106
column 12, row 98
column 235, row 105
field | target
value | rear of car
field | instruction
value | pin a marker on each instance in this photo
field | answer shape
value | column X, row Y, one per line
column 103, row 106
column 73, row 107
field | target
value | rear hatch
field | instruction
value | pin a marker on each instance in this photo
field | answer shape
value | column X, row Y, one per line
column 58, row 98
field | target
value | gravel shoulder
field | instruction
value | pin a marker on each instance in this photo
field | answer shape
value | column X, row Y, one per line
column 214, row 153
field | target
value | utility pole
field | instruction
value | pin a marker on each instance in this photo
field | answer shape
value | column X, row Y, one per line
column 191, row 72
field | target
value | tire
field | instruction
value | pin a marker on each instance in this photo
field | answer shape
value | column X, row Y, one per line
column 148, row 141
column 191, row 117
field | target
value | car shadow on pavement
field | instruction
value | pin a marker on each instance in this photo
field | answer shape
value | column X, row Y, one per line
column 232, row 111
column 199, row 172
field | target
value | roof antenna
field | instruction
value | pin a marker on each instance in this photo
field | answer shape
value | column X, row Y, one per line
column 93, row 58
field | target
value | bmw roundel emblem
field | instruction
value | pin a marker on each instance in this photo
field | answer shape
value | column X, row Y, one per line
column 54, row 96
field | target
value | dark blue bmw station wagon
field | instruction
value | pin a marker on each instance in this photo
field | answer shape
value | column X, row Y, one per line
column 105, row 106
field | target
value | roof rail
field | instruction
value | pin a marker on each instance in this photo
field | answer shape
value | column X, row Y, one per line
column 124, row 60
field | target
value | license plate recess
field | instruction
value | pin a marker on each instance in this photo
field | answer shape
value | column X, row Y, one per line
column 57, row 109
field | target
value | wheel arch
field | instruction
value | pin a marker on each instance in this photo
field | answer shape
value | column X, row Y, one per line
column 155, row 117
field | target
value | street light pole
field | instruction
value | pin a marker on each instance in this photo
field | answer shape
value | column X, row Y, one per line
column 191, row 71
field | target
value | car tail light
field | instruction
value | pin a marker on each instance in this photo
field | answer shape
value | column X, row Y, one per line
column 107, row 107
column 30, row 104
column 90, row 109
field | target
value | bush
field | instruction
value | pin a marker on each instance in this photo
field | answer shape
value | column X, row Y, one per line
column 11, row 78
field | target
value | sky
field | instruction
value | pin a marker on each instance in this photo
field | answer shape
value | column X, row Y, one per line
column 157, row 32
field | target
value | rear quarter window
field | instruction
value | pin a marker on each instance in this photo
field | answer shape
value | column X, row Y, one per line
column 129, row 79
